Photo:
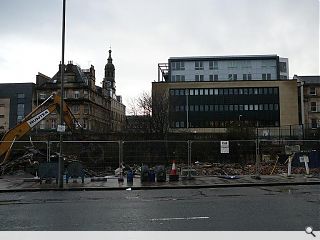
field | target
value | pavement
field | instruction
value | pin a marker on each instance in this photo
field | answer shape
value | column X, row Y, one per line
column 21, row 183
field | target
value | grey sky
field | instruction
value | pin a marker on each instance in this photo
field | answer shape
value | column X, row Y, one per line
column 143, row 33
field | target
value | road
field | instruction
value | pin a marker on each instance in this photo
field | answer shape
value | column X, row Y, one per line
column 286, row 208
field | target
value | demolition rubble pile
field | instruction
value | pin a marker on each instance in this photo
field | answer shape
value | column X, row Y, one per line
column 207, row 169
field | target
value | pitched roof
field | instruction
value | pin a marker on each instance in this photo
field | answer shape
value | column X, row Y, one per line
column 309, row 79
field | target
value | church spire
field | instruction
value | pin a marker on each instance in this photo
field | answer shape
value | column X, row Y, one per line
column 110, row 58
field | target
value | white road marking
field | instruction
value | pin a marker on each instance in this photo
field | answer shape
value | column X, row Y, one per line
column 185, row 218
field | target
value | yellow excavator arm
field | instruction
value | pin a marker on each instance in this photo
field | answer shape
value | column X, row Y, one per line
column 30, row 121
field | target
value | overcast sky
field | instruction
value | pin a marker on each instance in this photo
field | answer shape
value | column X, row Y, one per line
column 143, row 33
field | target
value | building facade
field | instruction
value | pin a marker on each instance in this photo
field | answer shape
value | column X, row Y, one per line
column 225, row 68
column 16, row 101
column 310, row 101
column 209, row 93
column 98, row 109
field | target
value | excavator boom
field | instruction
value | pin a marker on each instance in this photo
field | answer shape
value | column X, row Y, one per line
column 31, row 121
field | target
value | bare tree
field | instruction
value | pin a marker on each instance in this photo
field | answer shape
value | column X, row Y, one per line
column 153, row 112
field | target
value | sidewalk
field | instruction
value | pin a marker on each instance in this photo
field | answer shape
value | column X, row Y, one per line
column 25, row 183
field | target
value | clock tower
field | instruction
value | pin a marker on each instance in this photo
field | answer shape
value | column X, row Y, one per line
column 108, row 82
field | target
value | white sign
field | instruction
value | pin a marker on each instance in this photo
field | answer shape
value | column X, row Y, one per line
column 224, row 146
column 61, row 128
column 304, row 158
column 35, row 120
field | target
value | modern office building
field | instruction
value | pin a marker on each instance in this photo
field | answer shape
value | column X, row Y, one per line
column 224, row 68
column 206, row 93
column 16, row 101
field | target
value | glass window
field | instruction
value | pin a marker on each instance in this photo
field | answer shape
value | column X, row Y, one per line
column 313, row 106
column 229, row 76
column 264, row 76
column 76, row 94
column 200, row 91
column 206, row 108
column 220, row 91
column 211, row 107
column 177, row 124
column 182, row 108
column 235, row 107
column 260, row 107
column 230, row 91
column 198, row 65
column 231, row 107
column 191, row 92
column 211, row 78
column 240, row 91
column 240, row 107
column 251, row 107
column 271, row 107
column 191, row 108
column 225, row 91
column 201, row 108
column 235, row 77
column 177, row 108
column 245, row 91
column 270, row 91
column 177, row 92
column 236, row 91
column 196, row 92
column 244, row 76
column 249, row 76
column 275, row 91
column 182, row 124
column 216, row 108
column 226, row 107
column 250, row 91
column 196, row 108
column 216, row 77
column 266, row 108
column 181, row 92
column 215, row 65
column 210, row 65
column 276, row 107
column 53, row 124
column 206, row 92
column 255, row 91
column 269, row 76
column 260, row 90
column 221, row 108
column 20, row 109
column 265, row 91
column 178, row 78
column 216, row 92
column 211, row 91
column 173, row 78
column 246, row 107
column 312, row 91
column 256, row 107
column 182, row 78
column 20, row 95
column 314, row 123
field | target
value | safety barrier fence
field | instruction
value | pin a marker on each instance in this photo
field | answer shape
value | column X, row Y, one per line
column 200, row 157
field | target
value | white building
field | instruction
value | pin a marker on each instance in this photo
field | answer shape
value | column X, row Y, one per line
column 224, row 68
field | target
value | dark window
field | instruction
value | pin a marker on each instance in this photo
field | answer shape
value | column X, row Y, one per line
column 196, row 108
column 244, row 76
column 265, row 91
column 269, row 76
column 211, row 78
column 271, row 107
column 240, row 91
column 206, row 108
column 221, row 108
column 236, row 107
column 210, row 64
column 211, row 107
column 177, row 92
column 20, row 95
column 234, row 76
column 181, row 92
column 249, row 77
column 260, row 90
column 245, row 91
column 216, row 108
column 276, row 107
column 250, row 91
column 314, row 123
column 216, row 77
column 171, row 92
column 230, row 91
column 198, row 65
column 266, row 108
column 220, row 91
column 236, row 91
column 201, row 108
column 276, row 91
column 270, row 91
column 240, row 107
column 264, row 76
column 225, row 91
column 231, row 107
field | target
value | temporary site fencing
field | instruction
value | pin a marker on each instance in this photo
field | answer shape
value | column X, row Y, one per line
column 203, row 157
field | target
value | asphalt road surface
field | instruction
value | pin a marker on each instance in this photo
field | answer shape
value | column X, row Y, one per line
column 286, row 208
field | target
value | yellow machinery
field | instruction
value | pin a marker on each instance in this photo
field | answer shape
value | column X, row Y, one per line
column 31, row 120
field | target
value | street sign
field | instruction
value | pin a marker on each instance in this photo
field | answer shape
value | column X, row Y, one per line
column 224, row 146
column 61, row 128
column 304, row 158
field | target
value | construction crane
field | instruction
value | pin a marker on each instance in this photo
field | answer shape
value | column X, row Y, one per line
column 32, row 119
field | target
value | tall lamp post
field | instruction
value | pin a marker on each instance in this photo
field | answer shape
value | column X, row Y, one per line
column 61, row 127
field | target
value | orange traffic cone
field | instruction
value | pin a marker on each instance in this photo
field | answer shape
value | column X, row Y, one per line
column 173, row 169
column 173, row 176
